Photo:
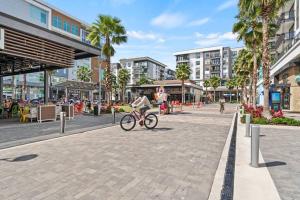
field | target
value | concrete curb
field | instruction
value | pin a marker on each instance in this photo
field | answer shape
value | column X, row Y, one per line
column 251, row 183
column 218, row 182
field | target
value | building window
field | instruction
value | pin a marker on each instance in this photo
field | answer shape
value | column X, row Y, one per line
column 197, row 55
column 75, row 29
column 38, row 14
column 206, row 55
column 207, row 61
column 67, row 26
column 57, row 22
column 197, row 73
column 197, row 62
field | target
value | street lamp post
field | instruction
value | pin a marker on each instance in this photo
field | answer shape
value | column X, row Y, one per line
column 100, row 96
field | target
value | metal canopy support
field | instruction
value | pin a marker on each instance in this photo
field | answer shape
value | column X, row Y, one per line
column 46, row 86
column 1, row 89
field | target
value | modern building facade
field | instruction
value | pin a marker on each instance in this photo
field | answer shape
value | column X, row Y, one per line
column 38, row 37
column 169, row 74
column 146, row 66
column 207, row 62
column 285, row 53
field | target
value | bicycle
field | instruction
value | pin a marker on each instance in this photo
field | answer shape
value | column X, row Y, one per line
column 128, row 121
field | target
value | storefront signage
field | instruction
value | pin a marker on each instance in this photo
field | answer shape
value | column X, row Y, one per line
column 1, row 38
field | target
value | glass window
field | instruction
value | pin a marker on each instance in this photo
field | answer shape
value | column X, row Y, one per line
column 66, row 26
column 197, row 62
column 197, row 73
column 57, row 22
column 197, row 55
column 75, row 29
column 38, row 14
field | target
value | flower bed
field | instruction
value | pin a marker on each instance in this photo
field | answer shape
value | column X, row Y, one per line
column 277, row 117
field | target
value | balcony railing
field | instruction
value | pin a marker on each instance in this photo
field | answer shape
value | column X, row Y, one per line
column 285, row 37
column 285, row 17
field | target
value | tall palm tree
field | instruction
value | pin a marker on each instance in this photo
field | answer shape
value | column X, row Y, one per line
column 267, row 10
column 249, row 29
column 183, row 72
column 206, row 84
column 230, row 84
column 114, row 33
column 215, row 82
column 123, row 78
column 84, row 74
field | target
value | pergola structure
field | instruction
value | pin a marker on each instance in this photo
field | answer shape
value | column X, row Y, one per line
column 30, row 48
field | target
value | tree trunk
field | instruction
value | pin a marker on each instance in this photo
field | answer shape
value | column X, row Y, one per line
column 214, row 95
column 266, row 65
column 108, row 75
column 254, row 76
column 182, row 92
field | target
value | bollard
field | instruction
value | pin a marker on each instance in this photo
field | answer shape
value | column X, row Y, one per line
column 62, row 122
column 255, row 146
column 113, row 115
column 247, row 124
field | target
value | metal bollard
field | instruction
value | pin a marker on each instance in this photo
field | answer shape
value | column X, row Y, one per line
column 113, row 115
column 62, row 122
column 255, row 146
column 247, row 125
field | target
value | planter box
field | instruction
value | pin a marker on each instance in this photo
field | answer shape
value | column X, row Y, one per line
column 69, row 110
column 46, row 113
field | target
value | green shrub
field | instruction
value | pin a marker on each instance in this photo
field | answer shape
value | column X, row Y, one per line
column 285, row 121
column 121, row 110
column 260, row 120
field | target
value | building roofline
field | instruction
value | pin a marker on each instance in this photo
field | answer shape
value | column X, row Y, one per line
column 144, row 58
column 198, row 50
column 62, row 12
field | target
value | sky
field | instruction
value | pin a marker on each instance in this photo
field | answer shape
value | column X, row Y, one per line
column 159, row 28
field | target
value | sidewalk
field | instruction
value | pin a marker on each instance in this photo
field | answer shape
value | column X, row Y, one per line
column 251, row 183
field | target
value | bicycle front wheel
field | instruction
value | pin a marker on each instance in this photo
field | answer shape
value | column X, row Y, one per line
column 127, row 122
column 151, row 121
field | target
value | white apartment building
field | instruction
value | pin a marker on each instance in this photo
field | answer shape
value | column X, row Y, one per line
column 208, row 62
column 147, row 66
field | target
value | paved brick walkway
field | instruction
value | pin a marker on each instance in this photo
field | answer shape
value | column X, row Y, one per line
column 177, row 160
column 281, row 151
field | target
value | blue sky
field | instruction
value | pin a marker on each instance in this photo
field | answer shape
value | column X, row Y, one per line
column 158, row 28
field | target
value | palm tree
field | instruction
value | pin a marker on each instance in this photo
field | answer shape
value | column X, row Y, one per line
column 267, row 10
column 183, row 72
column 114, row 33
column 215, row 83
column 206, row 84
column 249, row 29
column 84, row 74
column 123, row 78
column 230, row 84
column 115, row 85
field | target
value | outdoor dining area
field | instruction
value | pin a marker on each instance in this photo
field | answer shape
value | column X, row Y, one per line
column 26, row 112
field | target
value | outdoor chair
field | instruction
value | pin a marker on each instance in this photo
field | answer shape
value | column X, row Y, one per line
column 15, row 110
column 32, row 114
column 24, row 113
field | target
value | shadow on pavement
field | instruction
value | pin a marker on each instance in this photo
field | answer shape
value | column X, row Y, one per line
column 272, row 164
column 161, row 129
column 20, row 158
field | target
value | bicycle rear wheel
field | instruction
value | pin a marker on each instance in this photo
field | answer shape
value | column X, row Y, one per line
column 128, row 122
column 151, row 121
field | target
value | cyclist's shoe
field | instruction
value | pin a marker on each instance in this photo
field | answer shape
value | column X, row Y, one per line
column 141, row 123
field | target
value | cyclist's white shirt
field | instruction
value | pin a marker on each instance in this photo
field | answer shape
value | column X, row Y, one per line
column 141, row 101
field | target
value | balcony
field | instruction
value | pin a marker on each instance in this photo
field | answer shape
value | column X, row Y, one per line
column 284, row 38
column 286, row 16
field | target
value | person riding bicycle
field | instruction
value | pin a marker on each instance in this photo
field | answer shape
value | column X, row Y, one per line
column 222, row 104
column 144, row 104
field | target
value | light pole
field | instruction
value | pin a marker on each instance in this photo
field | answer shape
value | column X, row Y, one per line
column 100, row 96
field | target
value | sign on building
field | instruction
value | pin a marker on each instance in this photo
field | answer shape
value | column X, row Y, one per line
column 1, row 38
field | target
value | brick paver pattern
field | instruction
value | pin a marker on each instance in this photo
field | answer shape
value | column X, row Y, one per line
column 177, row 160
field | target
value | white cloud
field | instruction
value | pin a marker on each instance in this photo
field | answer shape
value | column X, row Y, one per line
column 227, row 4
column 214, row 38
column 168, row 20
column 199, row 22
column 140, row 35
